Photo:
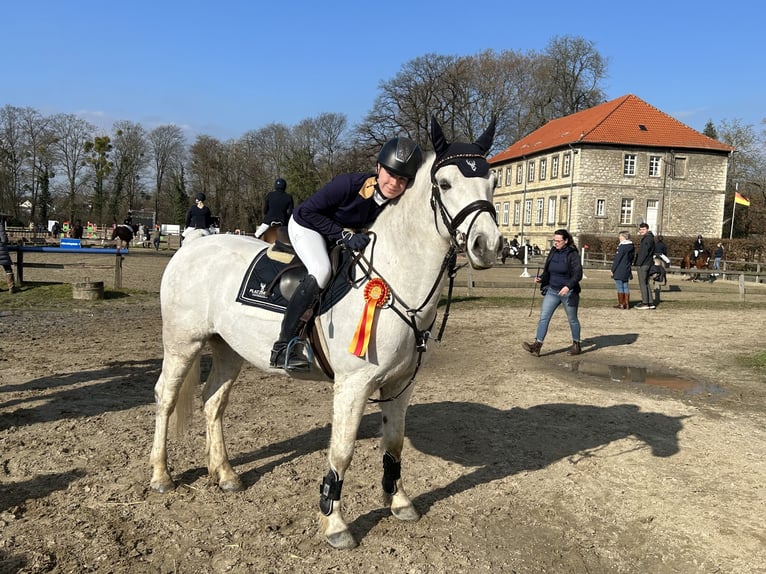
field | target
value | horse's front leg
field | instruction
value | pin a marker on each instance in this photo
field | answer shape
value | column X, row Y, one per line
column 225, row 368
column 348, row 407
column 392, row 441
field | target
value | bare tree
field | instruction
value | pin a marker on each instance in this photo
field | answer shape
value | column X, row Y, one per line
column 166, row 144
column 71, row 134
column 131, row 160
column 14, row 152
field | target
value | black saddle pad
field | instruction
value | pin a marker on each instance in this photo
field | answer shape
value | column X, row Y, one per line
column 262, row 283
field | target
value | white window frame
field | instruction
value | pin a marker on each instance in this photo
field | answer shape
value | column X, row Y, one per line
column 528, row 212
column 655, row 166
column 531, row 170
column 567, row 165
column 600, row 208
column 506, row 211
column 540, row 211
column 629, row 163
column 551, row 211
column 516, row 212
column 554, row 167
column 519, row 174
column 543, row 168
column 626, row 211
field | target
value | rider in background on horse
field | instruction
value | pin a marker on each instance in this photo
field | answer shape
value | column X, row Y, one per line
column 198, row 216
column 338, row 213
column 661, row 251
column 276, row 209
column 644, row 260
column 698, row 248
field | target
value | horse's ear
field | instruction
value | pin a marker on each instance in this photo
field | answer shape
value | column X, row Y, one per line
column 485, row 140
column 437, row 137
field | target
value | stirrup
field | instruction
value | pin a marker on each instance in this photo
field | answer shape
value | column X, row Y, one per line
column 293, row 360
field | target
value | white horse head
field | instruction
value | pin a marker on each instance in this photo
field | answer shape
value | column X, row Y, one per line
column 447, row 209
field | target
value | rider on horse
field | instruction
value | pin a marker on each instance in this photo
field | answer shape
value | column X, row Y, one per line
column 276, row 209
column 333, row 215
column 698, row 248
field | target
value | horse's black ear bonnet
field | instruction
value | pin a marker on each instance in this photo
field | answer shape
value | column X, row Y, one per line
column 468, row 157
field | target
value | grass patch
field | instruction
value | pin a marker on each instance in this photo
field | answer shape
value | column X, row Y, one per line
column 43, row 296
column 757, row 362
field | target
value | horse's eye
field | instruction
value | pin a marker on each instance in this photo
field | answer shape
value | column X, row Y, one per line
column 444, row 185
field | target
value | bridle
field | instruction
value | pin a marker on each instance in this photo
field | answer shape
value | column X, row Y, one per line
column 449, row 265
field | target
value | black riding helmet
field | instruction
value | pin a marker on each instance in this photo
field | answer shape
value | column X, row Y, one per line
column 280, row 185
column 401, row 156
column 200, row 197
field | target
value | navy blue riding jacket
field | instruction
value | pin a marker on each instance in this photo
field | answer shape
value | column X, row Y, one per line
column 348, row 201
column 277, row 207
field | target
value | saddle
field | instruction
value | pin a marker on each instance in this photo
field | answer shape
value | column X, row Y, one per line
column 275, row 273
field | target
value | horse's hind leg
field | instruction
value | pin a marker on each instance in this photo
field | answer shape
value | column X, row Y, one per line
column 392, row 441
column 226, row 366
column 166, row 391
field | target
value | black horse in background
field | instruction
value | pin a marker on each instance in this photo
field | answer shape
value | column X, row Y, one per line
column 125, row 233
column 515, row 252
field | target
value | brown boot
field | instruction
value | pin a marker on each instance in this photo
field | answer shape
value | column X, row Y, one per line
column 626, row 300
column 576, row 349
column 533, row 348
column 620, row 301
column 11, row 282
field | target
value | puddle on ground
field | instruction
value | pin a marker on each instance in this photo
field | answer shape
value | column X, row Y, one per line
column 642, row 375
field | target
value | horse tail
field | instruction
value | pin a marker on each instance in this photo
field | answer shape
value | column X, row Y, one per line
column 181, row 416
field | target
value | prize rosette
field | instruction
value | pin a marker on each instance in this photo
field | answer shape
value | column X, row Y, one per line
column 376, row 294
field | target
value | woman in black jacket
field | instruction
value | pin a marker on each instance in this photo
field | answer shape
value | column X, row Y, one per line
column 560, row 285
column 622, row 271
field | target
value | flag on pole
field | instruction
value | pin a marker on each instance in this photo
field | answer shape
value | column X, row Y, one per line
column 741, row 199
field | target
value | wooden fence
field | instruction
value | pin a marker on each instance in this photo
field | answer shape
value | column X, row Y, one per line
column 116, row 254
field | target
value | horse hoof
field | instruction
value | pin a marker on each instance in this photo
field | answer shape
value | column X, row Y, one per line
column 406, row 513
column 233, row 485
column 163, row 487
column 341, row 540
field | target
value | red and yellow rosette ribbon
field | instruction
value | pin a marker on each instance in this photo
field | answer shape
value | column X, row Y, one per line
column 376, row 294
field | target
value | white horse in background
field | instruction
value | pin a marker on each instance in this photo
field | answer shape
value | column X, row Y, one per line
column 414, row 239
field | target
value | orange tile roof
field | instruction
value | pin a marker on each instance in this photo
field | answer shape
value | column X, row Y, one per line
column 627, row 121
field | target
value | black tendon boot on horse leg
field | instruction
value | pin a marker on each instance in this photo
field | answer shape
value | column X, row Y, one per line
column 302, row 301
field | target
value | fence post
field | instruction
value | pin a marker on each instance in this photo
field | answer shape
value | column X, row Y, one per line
column 118, row 270
column 20, row 265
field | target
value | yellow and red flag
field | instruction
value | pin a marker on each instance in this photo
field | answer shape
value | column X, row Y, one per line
column 741, row 199
column 376, row 294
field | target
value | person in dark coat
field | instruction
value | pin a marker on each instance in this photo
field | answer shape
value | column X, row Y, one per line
column 621, row 270
column 644, row 260
column 277, row 208
column 698, row 248
column 560, row 285
column 199, row 216
column 661, row 251
column 5, row 257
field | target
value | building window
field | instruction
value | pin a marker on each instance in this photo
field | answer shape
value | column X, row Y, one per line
column 600, row 207
column 567, row 164
column 516, row 212
column 551, row 211
column 506, row 212
column 679, row 168
column 508, row 176
column 531, row 170
column 563, row 210
column 554, row 167
column 497, row 208
column 626, row 212
column 539, row 211
column 543, row 168
column 629, row 165
column 528, row 212
column 519, row 174
column 655, row 164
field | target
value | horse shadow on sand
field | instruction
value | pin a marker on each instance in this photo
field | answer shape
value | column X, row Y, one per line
column 492, row 443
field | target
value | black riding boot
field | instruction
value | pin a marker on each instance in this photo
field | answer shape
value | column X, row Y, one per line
column 302, row 300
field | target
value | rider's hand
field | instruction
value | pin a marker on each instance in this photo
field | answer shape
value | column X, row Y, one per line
column 355, row 241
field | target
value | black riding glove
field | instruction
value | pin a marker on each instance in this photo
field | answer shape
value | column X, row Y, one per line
column 355, row 241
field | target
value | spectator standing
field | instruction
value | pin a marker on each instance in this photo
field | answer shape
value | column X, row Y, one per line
column 77, row 230
column 560, row 285
column 661, row 251
column 5, row 257
column 276, row 209
column 621, row 270
column 156, row 237
column 717, row 256
column 644, row 260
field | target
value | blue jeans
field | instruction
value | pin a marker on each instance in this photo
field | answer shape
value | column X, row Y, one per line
column 622, row 286
column 550, row 302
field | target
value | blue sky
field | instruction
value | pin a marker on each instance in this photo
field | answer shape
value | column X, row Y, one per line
column 223, row 68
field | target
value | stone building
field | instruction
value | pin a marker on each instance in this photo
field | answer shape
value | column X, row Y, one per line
column 609, row 168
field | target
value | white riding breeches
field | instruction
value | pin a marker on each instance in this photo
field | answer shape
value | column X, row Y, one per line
column 311, row 247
